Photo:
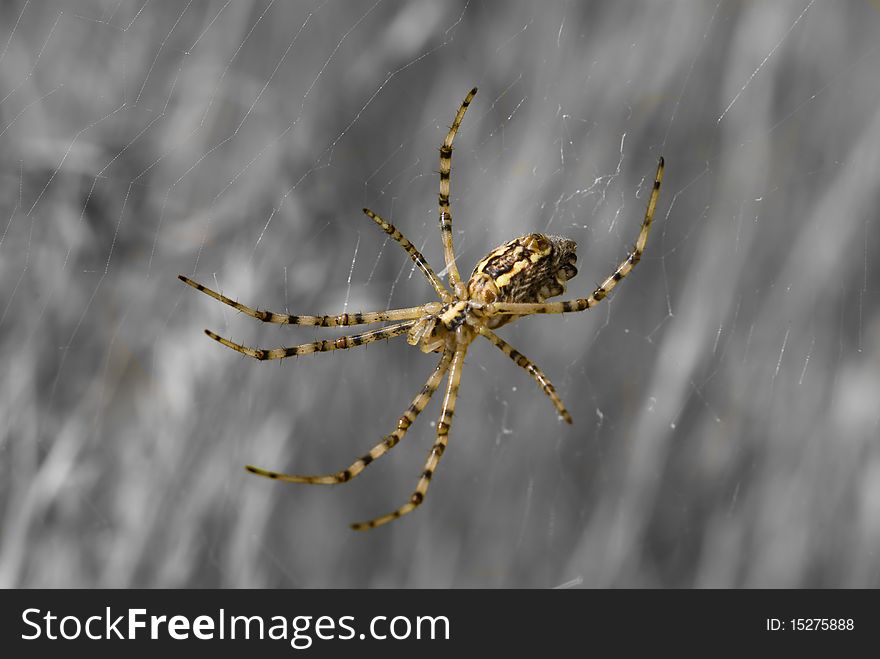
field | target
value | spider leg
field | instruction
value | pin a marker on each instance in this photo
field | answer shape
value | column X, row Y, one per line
column 608, row 285
column 524, row 362
column 436, row 450
column 380, row 449
column 445, row 213
column 320, row 321
column 341, row 343
column 414, row 254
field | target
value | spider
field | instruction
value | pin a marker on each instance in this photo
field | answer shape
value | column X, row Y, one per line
column 512, row 281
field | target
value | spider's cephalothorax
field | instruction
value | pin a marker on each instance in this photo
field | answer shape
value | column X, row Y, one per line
column 530, row 268
column 512, row 281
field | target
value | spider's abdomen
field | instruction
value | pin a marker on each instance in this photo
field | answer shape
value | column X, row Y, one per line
column 530, row 268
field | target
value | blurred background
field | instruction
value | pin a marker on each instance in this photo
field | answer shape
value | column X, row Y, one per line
column 725, row 398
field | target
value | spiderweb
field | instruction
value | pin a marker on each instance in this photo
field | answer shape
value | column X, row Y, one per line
column 724, row 397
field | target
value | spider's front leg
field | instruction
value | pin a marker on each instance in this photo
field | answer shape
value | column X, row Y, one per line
column 443, row 199
column 341, row 343
column 437, row 449
column 414, row 254
column 344, row 318
column 339, row 320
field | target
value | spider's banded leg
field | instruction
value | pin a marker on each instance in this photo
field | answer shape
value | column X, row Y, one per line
column 445, row 213
column 414, row 254
column 341, row 343
column 344, row 319
column 599, row 294
column 436, row 451
column 380, row 449
column 524, row 362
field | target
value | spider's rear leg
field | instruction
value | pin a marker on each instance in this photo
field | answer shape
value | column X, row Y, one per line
column 436, row 452
column 380, row 449
column 341, row 343
column 524, row 362
column 625, row 267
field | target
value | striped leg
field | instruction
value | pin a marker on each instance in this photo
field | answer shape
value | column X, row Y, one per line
column 320, row 321
column 608, row 285
column 524, row 362
column 380, row 449
column 445, row 213
column 342, row 343
column 414, row 254
column 436, row 451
